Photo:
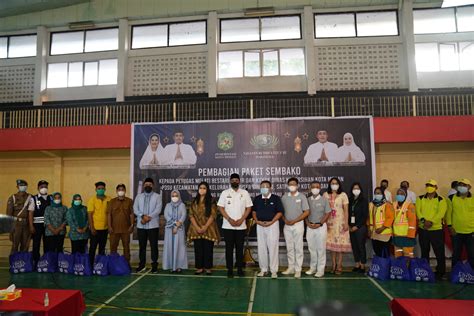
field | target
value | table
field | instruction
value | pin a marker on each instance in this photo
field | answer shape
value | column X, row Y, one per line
column 432, row 307
column 61, row 302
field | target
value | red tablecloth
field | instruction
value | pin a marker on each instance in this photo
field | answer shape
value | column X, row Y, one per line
column 61, row 302
column 409, row 307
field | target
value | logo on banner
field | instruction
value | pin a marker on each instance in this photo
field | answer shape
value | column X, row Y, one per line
column 264, row 141
column 225, row 141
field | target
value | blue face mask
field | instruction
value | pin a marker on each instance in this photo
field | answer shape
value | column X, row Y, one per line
column 378, row 197
column 77, row 202
column 264, row 191
column 462, row 189
column 400, row 198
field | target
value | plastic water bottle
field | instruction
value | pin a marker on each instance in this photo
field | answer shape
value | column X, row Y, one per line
column 46, row 299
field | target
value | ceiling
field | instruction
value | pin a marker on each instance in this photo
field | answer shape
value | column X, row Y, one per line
column 16, row 7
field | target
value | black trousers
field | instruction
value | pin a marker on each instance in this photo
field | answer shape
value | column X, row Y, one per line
column 234, row 239
column 79, row 246
column 100, row 239
column 203, row 253
column 37, row 237
column 145, row 235
column 54, row 243
column 460, row 241
column 358, row 239
column 435, row 239
column 381, row 248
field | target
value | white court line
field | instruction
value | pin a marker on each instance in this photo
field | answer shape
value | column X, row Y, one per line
column 252, row 294
column 390, row 297
column 118, row 293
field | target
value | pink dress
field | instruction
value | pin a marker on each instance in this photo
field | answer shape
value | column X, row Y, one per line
column 338, row 240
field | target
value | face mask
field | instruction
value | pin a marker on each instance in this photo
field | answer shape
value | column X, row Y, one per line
column 462, row 189
column 100, row 192
column 292, row 188
column 400, row 198
column 334, row 187
column 148, row 189
column 234, row 185
column 43, row 191
column 315, row 191
column 378, row 197
column 430, row 189
column 77, row 202
column 121, row 193
column 57, row 201
column 356, row 192
column 174, row 199
column 264, row 191
column 22, row 188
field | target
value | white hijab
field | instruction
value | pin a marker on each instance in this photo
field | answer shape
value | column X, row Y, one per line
column 150, row 157
column 355, row 152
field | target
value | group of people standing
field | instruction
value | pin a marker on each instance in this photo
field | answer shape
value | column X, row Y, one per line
column 333, row 220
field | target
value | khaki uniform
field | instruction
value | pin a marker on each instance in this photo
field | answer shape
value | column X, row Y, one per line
column 18, row 206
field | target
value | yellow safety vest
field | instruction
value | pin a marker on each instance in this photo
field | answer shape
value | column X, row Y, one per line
column 400, row 224
column 379, row 218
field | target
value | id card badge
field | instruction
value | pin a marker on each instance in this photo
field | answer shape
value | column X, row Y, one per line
column 353, row 219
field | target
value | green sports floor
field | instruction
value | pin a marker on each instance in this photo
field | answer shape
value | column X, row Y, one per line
column 187, row 294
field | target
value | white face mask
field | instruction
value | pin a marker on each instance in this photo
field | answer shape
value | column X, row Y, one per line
column 315, row 191
column 334, row 187
column 22, row 188
column 293, row 188
column 121, row 193
column 43, row 191
column 356, row 192
column 174, row 199
column 57, row 201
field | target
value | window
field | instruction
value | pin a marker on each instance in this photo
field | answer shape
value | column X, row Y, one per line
column 335, row 25
column 169, row 34
column 18, row 46
column 187, row 33
column 260, row 29
column 434, row 21
column 78, row 74
column 465, row 19
column 432, row 57
column 356, row 24
column 377, row 23
column 262, row 63
column 78, row 42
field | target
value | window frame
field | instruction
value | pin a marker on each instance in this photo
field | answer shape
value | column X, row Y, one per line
column 260, row 28
column 457, row 51
column 455, row 9
column 168, row 34
column 8, row 45
column 354, row 13
column 84, row 36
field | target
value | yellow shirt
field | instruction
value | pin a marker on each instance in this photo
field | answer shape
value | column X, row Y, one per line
column 432, row 210
column 98, row 208
column 461, row 214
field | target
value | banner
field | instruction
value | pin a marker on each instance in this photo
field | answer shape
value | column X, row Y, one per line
column 179, row 155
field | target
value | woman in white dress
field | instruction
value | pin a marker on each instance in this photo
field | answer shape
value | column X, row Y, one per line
column 153, row 153
column 349, row 151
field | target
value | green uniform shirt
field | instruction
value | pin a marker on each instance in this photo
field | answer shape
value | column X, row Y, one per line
column 461, row 214
column 432, row 210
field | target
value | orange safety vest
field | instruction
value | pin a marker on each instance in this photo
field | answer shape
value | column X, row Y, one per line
column 401, row 224
column 377, row 219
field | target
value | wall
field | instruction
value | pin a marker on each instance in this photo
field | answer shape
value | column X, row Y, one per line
column 76, row 171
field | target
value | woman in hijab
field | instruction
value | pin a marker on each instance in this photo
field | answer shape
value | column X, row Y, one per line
column 349, row 151
column 153, row 152
column 55, row 224
column 77, row 220
column 175, row 257
column 380, row 223
column 404, row 225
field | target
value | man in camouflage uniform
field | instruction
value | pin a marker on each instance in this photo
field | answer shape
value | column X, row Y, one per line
column 18, row 206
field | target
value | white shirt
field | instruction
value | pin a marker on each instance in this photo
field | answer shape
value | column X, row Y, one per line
column 234, row 203
column 388, row 195
column 314, row 152
column 187, row 153
column 411, row 196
